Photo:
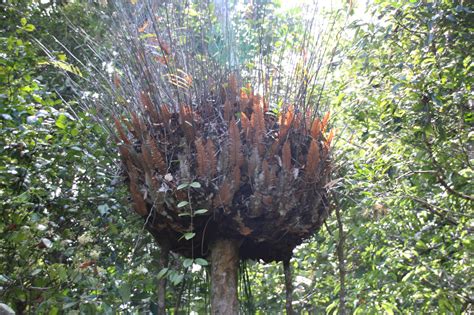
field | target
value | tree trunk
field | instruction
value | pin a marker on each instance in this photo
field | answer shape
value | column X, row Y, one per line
column 224, row 266
column 289, row 287
column 341, row 260
column 161, row 292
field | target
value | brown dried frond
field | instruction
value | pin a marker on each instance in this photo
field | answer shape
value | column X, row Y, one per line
column 165, row 114
column 139, row 204
column 156, row 156
column 328, row 141
column 236, row 178
column 233, row 83
column 243, row 229
column 265, row 106
column 284, row 128
column 232, row 90
column 132, row 156
column 286, row 120
column 258, row 124
column 162, row 60
column 136, row 125
column 183, row 82
column 228, row 113
column 186, row 78
column 326, row 170
column 297, row 120
column 121, row 132
column 286, row 156
column 145, row 100
column 315, row 129
column 200, row 158
column 253, row 162
column 235, row 153
column 257, row 100
column 139, row 161
column 211, row 157
column 274, row 148
column 165, row 48
column 268, row 174
column 267, row 200
column 132, row 172
column 224, row 195
column 143, row 126
column 129, row 126
column 313, row 158
column 141, row 54
column 245, row 125
column 187, row 122
column 324, row 122
column 243, row 105
column 289, row 114
column 149, row 107
column 142, row 28
column 124, row 153
column 146, row 158
column 116, row 79
column 184, row 113
column 245, row 101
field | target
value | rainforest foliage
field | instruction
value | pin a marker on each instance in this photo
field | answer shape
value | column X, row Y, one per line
column 399, row 239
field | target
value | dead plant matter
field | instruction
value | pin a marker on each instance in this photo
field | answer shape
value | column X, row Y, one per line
column 261, row 177
column 206, row 157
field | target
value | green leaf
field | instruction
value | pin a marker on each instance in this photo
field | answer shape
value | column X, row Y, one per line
column 407, row 276
column 29, row 27
column 195, row 185
column 191, row 12
column 176, row 279
column 162, row 273
column 61, row 122
column 201, row 261
column 388, row 307
column 331, row 307
column 64, row 66
column 3, row 279
column 184, row 214
column 23, row 21
column 69, row 305
column 74, row 132
column 189, row 235
column 103, row 209
column 145, row 36
column 200, row 211
column 187, row 262
column 124, row 292
column 181, row 186
column 183, row 204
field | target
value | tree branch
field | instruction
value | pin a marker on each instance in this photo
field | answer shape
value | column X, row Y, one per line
column 440, row 177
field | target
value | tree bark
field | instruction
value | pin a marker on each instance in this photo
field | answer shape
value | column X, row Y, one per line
column 224, row 267
column 289, row 288
column 341, row 260
column 161, row 292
